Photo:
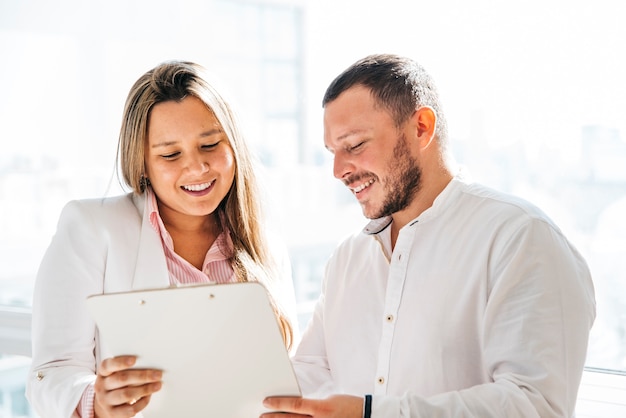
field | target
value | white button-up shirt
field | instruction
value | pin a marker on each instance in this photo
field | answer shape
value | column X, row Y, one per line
column 482, row 309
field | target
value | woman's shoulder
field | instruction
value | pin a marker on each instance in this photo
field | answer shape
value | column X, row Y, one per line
column 114, row 208
column 92, row 225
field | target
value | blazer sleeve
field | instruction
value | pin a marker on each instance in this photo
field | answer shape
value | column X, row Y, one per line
column 63, row 333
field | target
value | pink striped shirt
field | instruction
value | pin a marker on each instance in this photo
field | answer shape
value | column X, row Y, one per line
column 216, row 268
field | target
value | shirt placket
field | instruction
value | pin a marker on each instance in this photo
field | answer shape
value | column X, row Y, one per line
column 395, row 285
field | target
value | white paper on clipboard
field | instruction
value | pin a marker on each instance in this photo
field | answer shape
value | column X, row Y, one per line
column 219, row 346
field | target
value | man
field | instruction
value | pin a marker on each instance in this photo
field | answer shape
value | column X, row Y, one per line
column 455, row 300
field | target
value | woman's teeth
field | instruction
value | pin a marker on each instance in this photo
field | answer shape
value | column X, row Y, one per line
column 197, row 187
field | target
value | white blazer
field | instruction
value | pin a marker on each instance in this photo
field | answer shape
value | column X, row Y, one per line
column 101, row 246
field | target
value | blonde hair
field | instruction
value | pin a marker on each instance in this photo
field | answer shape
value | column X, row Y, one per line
column 240, row 211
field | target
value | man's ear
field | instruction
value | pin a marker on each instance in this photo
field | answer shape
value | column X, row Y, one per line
column 425, row 120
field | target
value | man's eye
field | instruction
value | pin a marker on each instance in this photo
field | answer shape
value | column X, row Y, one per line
column 356, row 147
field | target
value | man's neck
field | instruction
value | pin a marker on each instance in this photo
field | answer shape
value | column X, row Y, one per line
column 431, row 187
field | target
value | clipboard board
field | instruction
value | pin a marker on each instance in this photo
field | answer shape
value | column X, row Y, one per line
column 219, row 346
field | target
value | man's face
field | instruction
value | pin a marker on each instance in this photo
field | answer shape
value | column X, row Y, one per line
column 371, row 155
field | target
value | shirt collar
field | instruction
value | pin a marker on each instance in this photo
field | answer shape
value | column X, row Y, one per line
column 152, row 209
column 221, row 248
column 376, row 226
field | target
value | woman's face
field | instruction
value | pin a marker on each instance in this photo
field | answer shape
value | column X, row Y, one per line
column 189, row 160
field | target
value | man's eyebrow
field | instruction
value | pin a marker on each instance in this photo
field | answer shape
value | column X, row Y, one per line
column 347, row 135
column 205, row 134
column 350, row 133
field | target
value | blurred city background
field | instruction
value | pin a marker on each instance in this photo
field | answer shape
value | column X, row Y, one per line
column 534, row 95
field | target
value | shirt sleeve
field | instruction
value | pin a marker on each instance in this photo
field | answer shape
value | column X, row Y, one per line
column 310, row 361
column 86, row 404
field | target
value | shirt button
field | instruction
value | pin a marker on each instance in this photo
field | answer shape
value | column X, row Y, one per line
column 381, row 380
column 389, row 318
column 39, row 376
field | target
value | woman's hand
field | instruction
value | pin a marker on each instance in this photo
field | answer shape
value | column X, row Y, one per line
column 121, row 392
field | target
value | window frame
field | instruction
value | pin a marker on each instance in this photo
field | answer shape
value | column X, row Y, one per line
column 15, row 331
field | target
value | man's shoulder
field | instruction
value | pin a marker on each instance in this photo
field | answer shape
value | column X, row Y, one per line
column 489, row 199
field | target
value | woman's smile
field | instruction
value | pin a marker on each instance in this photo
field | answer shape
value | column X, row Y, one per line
column 198, row 188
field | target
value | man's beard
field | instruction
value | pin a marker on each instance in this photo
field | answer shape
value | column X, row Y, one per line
column 403, row 181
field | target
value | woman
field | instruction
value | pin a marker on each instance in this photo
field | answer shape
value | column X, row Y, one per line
column 193, row 217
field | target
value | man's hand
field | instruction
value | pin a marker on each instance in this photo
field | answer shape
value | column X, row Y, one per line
column 121, row 391
column 337, row 406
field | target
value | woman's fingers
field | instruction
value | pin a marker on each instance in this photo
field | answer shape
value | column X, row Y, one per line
column 140, row 403
column 114, row 364
column 121, row 391
column 131, row 377
column 132, row 394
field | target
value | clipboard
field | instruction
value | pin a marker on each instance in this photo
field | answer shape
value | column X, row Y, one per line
column 219, row 346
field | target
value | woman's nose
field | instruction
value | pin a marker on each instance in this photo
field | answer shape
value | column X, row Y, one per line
column 198, row 164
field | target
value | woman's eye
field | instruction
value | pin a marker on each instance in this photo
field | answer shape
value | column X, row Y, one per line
column 171, row 156
column 209, row 146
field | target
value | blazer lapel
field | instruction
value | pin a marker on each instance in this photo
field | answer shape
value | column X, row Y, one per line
column 151, row 268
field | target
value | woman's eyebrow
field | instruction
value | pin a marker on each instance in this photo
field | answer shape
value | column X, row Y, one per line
column 163, row 144
column 205, row 134
column 211, row 132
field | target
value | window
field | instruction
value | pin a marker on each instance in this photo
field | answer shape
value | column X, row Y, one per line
column 534, row 97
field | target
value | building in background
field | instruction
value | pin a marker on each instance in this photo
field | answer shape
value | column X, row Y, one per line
column 67, row 67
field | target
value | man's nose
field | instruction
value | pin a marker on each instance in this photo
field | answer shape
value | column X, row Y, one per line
column 342, row 167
